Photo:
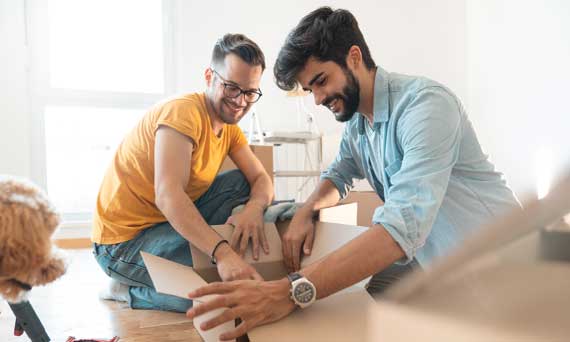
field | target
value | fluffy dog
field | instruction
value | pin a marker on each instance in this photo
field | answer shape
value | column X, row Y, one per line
column 27, row 255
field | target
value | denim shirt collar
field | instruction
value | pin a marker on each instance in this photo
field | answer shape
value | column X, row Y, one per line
column 381, row 103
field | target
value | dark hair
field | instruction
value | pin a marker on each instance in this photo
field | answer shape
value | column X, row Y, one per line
column 240, row 45
column 324, row 34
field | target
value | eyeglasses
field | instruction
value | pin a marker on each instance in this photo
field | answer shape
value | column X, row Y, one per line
column 232, row 91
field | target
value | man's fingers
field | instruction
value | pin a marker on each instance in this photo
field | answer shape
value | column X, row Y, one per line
column 226, row 316
column 308, row 245
column 264, row 242
column 234, row 242
column 243, row 243
column 237, row 332
column 256, row 276
column 255, row 242
column 201, row 308
column 213, row 288
column 230, row 220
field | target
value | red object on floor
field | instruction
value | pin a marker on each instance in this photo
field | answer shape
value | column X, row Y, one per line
column 72, row 339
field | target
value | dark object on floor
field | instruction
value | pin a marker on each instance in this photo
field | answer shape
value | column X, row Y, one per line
column 72, row 339
column 27, row 321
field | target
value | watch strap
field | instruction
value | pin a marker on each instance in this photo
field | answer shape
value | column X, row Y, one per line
column 294, row 276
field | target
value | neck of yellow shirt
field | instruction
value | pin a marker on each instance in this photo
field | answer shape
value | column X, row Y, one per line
column 215, row 121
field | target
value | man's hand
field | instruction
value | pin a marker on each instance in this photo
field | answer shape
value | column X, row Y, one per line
column 248, row 224
column 254, row 302
column 300, row 233
column 232, row 267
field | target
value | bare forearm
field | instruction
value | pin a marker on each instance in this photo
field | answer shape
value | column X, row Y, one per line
column 261, row 193
column 183, row 215
column 324, row 196
column 362, row 257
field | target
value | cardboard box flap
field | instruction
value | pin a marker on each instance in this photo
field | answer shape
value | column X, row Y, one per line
column 330, row 237
column 340, row 317
column 161, row 271
column 497, row 302
column 344, row 214
column 175, row 279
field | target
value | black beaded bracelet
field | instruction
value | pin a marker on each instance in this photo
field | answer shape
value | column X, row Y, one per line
column 213, row 256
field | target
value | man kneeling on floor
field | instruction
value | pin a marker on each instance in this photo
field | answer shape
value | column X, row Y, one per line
column 162, row 190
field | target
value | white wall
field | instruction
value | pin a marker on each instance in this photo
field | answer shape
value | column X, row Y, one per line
column 407, row 36
column 15, row 129
column 519, row 80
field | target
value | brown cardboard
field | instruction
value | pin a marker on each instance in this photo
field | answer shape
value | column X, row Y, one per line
column 478, row 294
column 325, row 315
column 340, row 317
column 177, row 280
column 344, row 214
column 498, row 302
column 328, row 238
column 270, row 266
column 263, row 152
column 367, row 201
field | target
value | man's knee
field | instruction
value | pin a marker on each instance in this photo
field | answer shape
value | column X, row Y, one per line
column 237, row 180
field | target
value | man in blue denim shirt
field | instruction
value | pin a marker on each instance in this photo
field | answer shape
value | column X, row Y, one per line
column 409, row 137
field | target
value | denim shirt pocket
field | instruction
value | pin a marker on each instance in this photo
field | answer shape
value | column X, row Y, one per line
column 391, row 169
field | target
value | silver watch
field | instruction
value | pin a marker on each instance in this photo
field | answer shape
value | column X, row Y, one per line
column 303, row 292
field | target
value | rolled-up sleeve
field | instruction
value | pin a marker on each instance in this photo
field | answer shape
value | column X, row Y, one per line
column 344, row 168
column 429, row 133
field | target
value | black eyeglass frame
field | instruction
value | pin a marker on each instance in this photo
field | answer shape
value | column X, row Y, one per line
column 227, row 84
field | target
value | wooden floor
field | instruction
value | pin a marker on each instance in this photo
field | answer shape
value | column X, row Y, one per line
column 71, row 307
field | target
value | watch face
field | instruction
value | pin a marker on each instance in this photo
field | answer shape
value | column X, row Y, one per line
column 304, row 293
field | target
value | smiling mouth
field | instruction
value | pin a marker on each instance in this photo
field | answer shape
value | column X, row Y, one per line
column 333, row 105
column 234, row 108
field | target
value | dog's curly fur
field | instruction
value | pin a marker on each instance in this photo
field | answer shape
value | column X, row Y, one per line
column 27, row 222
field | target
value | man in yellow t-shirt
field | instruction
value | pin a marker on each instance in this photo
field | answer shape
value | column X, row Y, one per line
column 162, row 189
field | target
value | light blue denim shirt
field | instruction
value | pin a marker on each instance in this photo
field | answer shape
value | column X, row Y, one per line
column 422, row 155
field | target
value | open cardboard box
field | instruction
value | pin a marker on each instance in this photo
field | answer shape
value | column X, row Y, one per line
column 367, row 201
column 479, row 293
column 340, row 317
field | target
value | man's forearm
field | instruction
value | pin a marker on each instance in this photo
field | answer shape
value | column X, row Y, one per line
column 324, row 196
column 185, row 218
column 369, row 253
column 261, row 193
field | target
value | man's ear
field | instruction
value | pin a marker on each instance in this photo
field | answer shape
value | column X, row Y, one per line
column 209, row 76
column 354, row 57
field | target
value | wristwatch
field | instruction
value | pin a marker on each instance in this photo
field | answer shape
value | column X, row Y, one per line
column 303, row 292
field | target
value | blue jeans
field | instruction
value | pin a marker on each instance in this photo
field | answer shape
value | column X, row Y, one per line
column 382, row 280
column 123, row 262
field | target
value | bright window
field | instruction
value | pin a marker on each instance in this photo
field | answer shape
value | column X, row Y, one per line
column 106, row 45
column 96, row 67
column 80, row 144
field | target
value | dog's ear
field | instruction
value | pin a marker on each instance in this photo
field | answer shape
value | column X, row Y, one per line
column 54, row 269
column 16, row 257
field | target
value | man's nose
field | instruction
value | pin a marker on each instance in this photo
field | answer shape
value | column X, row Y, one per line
column 240, row 100
column 319, row 98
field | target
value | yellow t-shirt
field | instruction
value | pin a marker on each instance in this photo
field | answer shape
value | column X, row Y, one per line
column 126, row 202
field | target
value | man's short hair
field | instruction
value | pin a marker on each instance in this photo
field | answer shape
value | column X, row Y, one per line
column 324, row 34
column 240, row 45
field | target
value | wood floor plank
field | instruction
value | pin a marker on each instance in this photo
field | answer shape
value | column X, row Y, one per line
column 71, row 307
